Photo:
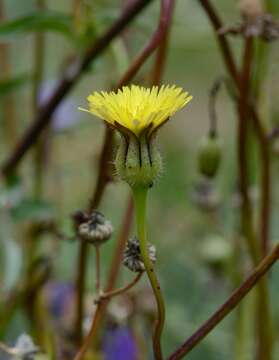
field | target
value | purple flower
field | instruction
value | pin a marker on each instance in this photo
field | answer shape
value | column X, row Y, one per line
column 59, row 294
column 119, row 344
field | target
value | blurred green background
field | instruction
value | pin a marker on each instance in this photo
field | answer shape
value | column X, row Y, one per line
column 198, row 249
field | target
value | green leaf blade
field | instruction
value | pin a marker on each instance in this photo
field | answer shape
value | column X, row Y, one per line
column 52, row 21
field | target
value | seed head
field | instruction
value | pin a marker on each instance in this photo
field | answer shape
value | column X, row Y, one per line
column 96, row 229
column 132, row 258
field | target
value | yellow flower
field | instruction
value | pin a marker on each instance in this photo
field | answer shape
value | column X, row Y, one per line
column 137, row 108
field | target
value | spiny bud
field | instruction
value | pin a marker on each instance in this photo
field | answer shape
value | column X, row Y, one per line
column 132, row 258
column 95, row 229
column 138, row 113
column 209, row 156
column 138, row 161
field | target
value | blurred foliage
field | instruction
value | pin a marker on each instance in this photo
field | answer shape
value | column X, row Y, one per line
column 32, row 210
column 38, row 21
column 9, row 85
column 197, row 245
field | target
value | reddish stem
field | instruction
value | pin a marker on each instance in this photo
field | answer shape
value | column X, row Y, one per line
column 153, row 43
column 244, row 103
column 71, row 76
column 110, row 294
column 259, row 129
column 103, row 178
column 228, row 306
column 114, row 270
column 160, row 61
column 98, row 269
column 246, row 218
column 8, row 101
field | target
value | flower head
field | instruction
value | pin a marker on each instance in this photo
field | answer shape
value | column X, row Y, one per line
column 136, row 108
column 137, row 113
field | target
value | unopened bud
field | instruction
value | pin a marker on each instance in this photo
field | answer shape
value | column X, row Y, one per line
column 209, row 156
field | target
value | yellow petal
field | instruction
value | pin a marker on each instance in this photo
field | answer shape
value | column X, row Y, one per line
column 137, row 107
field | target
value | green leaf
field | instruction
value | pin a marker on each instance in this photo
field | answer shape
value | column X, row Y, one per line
column 11, row 193
column 32, row 209
column 9, row 85
column 38, row 21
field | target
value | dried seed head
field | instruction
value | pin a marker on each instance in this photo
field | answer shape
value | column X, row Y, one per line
column 270, row 28
column 96, row 229
column 132, row 258
column 263, row 26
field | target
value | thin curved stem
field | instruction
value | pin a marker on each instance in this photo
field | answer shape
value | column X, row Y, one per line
column 161, row 54
column 260, row 132
column 243, row 115
column 104, row 175
column 116, row 292
column 264, row 332
column 114, row 270
column 113, row 273
column 247, row 109
column 140, row 197
column 39, row 162
column 88, row 340
column 7, row 103
column 71, row 76
column 228, row 306
column 98, row 269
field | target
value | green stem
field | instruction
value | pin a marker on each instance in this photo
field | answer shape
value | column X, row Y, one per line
column 265, row 333
column 140, row 198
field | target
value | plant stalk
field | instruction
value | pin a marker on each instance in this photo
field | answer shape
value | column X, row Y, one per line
column 8, row 102
column 98, row 269
column 104, row 173
column 228, row 305
column 71, row 76
column 99, row 301
column 140, row 199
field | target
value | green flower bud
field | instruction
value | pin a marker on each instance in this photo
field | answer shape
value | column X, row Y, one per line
column 138, row 161
column 209, row 156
